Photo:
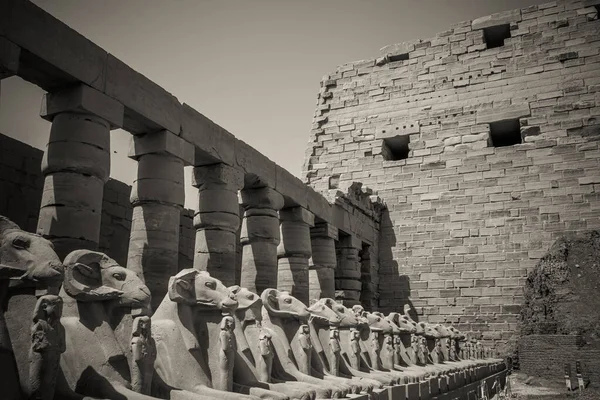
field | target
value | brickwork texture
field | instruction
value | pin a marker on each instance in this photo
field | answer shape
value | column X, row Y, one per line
column 546, row 355
column 483, row 142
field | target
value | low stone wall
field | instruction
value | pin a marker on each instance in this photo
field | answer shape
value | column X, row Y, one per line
column 546, row 355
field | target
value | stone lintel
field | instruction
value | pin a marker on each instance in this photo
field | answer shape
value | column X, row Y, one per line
column 9, row 58
column 162, row 142
column 219, row 174
column 499, row 114
column 215, row 144
column 324, row 229
column 83, row 99
column 297, row 214
column 501, row 18
column 149, row 107
column 261, row 198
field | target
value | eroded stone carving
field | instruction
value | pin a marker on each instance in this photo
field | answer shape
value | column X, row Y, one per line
column 143, row 351
column 192, row 338
column 47, row 344
column 29, row 259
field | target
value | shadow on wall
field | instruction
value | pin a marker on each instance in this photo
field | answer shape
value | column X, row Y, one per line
column 394, row 286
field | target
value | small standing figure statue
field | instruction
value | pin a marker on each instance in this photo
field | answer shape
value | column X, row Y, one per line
column 416, row 350
column 354, row 348
column 388, row 351
column 226, row 355
column 439, row 354
column 452, row 349
column 265, row 365
column 143, row 350
column 304, row 362
column 47, row 344
column 334, row 345
column 424, row 350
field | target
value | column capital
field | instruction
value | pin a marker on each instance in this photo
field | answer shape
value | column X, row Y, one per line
column 297, row 214
column 324, row 229
column 9, row 58
column 264, row 197
column 162, row 142
column 207, row 176
column 83, row 99
column 350, row 241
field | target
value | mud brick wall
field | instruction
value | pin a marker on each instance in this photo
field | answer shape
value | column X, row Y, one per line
column 21, row 184
column 546, row 355
column 422, row 126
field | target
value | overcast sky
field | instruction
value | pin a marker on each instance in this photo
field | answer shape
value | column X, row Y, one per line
column 252, row 66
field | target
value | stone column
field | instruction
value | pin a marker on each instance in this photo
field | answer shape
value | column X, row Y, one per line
column 157, row 197
column 259, row 238
column 294, row 250
column 348, row 273
column 217, row 220
column 322, row 264
column 76, row 164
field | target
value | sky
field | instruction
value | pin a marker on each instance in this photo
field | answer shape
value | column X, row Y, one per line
column 252, row 66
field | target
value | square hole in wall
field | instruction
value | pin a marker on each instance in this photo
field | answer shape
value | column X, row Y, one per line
column 398, row 57
column 505, row 133
column 494, row 35
column 396, row 147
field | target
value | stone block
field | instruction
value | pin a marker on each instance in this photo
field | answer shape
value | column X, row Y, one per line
column 293, row 189
column 514, row 111
column 57, row 55
column 9, row 58
column 162, row 142
column 264, row 197
column 260, row 229
column 148, row 107
column 292, row 275
column 83, row 99
column 215, row 241
column 218, row 201
column 72, row 190
column 259, row 170
column 76, row 157
column 160, row 166
column 501, row 18
column 157, row 190
column 213, row 143
column 297, row 214
column 399, row 129
column 77, row 223
column 398, row 48
column 204, row 177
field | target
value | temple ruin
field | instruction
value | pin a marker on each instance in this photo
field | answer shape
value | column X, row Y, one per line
column 437, row 174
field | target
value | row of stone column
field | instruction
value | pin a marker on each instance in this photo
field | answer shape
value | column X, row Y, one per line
column 282, row 246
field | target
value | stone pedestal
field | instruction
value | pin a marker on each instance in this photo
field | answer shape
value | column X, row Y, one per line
column 157, row 197
column 348, row 272
column 293, row 251
column 76, row 164
column 322, row 264
column 259, row 238
column 217, row 220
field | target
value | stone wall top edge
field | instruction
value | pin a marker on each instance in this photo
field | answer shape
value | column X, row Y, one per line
column 408, row 46
column 80, row 61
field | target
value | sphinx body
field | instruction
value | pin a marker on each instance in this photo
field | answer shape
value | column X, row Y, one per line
column 27, row 263
column 193, row 352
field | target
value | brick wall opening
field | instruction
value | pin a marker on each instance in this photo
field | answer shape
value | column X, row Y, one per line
column 494, row 35
column 334, row 181
column 398, row 57
column 396, row 148
column 505, row 133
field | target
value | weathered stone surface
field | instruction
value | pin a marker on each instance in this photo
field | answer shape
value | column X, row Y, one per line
column 214, row 144
column 83, row 99
column 501, row 18
column 292, row 276
column 9, row 58
column 504, row 113
column 398, row 48
column 263, row 197
column 148, row 107
column 162, row 142
column 58, row 55
column 219, row 175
